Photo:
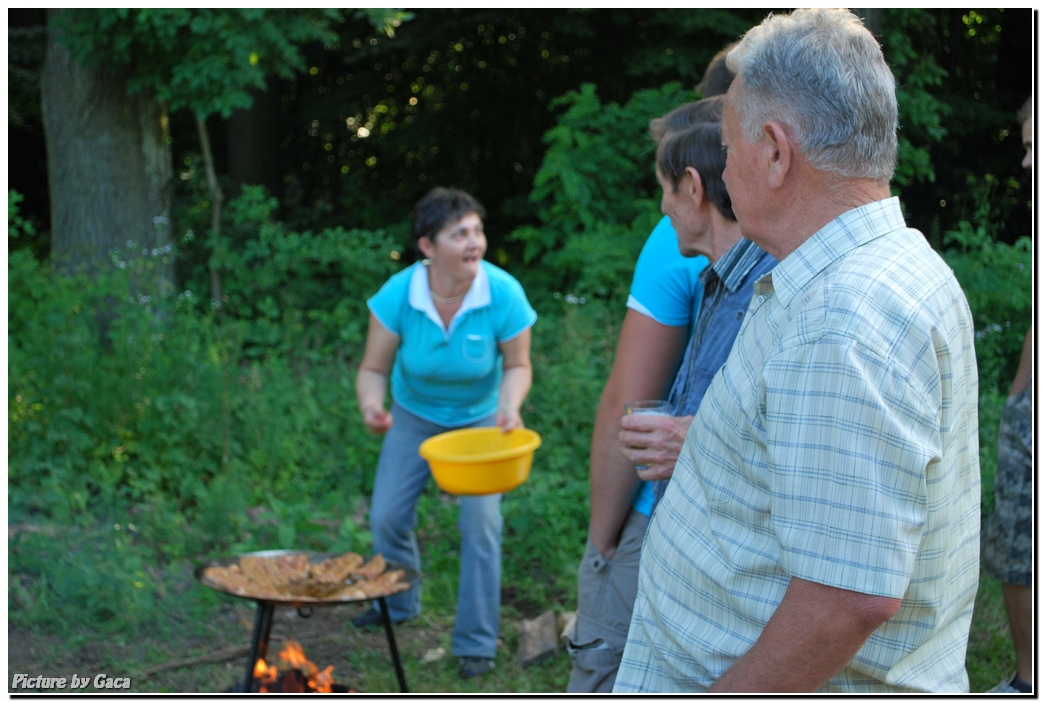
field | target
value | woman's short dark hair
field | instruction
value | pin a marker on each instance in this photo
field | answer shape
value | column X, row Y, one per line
column 699, row 146
column 439, row 208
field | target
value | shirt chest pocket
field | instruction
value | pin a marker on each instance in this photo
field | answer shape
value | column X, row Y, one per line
column 477, row 347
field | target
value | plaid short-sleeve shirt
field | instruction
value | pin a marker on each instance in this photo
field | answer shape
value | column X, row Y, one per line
column 837, row 444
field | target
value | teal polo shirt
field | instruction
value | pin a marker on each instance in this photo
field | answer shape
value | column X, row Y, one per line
column 450, row 376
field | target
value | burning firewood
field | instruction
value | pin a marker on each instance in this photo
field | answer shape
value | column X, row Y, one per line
column 303, row 676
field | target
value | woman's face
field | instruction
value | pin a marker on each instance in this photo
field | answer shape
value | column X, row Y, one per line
column 458, row 248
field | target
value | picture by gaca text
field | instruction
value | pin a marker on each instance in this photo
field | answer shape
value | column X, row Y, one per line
column 21, row 681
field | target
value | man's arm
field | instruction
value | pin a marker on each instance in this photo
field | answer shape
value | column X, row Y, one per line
column 814, row 632
column 645, row 361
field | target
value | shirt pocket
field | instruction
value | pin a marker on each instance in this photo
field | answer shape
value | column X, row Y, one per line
column 477, row 347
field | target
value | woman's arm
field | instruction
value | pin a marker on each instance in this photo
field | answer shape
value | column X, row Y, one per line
column 371, row 384
column 516, row 380
column 645, row 360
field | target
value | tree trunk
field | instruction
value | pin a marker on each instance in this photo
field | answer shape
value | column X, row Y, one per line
column 216, row 209
column 110, row 173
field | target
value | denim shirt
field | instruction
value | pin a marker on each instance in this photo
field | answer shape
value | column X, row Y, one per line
column 728, row 287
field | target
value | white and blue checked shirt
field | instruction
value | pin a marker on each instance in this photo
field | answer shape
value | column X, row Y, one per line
column 837, row 444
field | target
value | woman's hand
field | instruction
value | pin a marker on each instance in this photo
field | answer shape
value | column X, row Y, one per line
column 508, row 421
column 378, row 420
column 371, row 382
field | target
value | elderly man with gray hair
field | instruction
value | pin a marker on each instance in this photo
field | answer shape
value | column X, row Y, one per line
column 821, row 531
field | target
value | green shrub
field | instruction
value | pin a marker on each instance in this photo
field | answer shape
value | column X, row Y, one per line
column 300, row 293
column 596, row 193
column 996, row 278
column 95, row 577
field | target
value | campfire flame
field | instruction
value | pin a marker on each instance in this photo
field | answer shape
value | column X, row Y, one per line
column 308, row 679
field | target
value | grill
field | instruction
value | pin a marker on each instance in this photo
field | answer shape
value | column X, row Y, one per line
column 304, row 604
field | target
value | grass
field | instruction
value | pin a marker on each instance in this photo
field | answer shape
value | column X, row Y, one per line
column 86, row 597
column 197, row 623
column 990, row 658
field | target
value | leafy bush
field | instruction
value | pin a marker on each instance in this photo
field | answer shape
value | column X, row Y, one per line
column 114, row 395
column 302, row 293
column 596, row 193
column 94, row 577
column 547, row 518
column 996, row 278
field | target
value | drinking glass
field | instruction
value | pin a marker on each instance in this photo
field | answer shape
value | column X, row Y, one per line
column 659, row 407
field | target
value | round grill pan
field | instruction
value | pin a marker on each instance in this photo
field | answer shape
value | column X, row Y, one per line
column 291, row 599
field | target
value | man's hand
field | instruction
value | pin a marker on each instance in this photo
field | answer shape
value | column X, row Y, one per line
column 653, row 441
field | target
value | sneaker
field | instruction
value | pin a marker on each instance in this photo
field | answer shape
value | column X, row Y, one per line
column 471, row 667
column 369, row 619
column 1012, row 685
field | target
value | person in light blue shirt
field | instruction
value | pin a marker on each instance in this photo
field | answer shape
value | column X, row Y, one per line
column 690, row 168
column 453, row 335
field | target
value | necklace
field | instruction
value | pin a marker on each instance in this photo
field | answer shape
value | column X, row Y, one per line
column 448, row 300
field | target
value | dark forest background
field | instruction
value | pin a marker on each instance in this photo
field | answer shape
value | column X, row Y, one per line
column 485, row 83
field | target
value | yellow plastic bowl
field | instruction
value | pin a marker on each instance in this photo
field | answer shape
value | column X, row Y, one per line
column 480, row 460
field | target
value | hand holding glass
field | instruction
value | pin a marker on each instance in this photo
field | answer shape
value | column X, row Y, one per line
column 658, row 407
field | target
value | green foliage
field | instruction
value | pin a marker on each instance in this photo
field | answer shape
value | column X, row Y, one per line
column 996, row 278
column 596, row 193
column 461, row 97
column 17, row 225
column 918, row 75
column 546, row 518
column 301, row 293
column 978, row 52
column 94, row 577
column 109, row 400
column 205, row 59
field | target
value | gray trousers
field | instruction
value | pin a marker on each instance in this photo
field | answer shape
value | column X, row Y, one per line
column 606, row 593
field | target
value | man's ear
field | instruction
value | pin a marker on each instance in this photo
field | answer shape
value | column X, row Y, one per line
column 694, row 188
column 426, row 246
column 778, row 150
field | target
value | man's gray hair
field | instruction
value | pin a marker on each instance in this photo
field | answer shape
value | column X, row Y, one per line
column 820, row 72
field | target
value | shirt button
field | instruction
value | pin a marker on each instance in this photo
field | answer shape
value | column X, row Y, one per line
column 760, row 300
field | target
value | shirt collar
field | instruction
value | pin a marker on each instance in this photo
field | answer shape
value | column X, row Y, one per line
column 734, row 266
column 479, row 294
column 834, row 240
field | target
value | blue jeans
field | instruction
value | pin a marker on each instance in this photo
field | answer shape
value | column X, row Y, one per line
column 401, row 477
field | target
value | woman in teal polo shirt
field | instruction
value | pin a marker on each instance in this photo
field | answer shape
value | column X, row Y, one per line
column 453, row 334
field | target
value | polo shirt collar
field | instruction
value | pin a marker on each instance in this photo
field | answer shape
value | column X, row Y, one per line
column 479, row 294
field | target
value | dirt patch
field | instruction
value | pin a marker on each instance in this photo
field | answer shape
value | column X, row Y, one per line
column 218, row 663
